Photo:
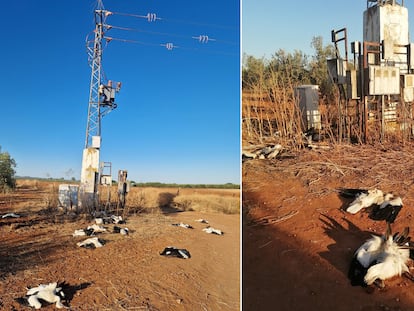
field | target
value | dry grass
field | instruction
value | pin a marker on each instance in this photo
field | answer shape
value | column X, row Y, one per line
column 267, row 117
column 206, row 200
column 208, row 203
column 152, row 199
column 148, row 199
column 369, row 166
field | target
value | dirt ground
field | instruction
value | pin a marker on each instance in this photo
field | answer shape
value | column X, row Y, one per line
column 298, row 241
column 128, row 272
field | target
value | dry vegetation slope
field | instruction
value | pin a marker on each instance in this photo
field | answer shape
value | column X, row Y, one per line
column 298, row 242
column 127, row 273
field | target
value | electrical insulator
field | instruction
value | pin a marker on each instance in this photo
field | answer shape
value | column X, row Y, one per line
column 202, row 38
column 152, row 17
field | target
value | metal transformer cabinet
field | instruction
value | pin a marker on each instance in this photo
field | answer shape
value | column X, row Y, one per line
column 308, row 99
column 387, row 22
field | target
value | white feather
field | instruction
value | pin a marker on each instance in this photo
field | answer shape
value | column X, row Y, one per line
column 34, row 302
column 47, row 293
column 93, row 241
column 212, row 230
column 390, row 200
column 96, row 228
column 369, row 251
column 79, row 232
column 391, row 262
column 374, row 196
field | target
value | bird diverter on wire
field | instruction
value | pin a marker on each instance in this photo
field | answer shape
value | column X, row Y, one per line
column 203, row 38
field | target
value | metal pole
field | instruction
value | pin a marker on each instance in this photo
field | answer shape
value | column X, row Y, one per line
column 382, row 117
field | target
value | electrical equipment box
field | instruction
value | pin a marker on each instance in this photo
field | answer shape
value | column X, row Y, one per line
column 387, row 22
column 356, row 47
column 337, row 70
column 68, row 196
column 407, row 81
column 382, row 80
column 96, row 142
column 411, row 56
column 123, row 183
column 106, row 180
column 308, row 99
column 407, row 86
column 352, row 84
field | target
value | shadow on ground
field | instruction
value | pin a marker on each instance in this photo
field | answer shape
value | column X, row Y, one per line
column 279, row 273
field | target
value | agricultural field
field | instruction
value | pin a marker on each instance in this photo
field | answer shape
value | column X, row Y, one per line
column 298, row 242
column 128, row 272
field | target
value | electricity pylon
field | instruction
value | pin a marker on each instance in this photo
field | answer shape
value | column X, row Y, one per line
column 101, row 102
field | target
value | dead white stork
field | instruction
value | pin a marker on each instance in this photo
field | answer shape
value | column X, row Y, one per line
column 213, row 231
column 49, row 293
column 203, row 221
column 96, row 228
column 91, row 243
column 10, row 215
column 364, row 199
column 380, row 258
column 123, row 231
column 175, row 252
column 389, row 209
column 385, row 206
column 183, row 225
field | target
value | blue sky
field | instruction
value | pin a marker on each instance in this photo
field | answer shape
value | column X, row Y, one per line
column 178, row 115
column 268, row 26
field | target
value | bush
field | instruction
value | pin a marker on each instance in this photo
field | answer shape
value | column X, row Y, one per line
column 7, row 172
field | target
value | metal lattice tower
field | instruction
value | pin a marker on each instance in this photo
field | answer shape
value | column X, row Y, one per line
column 96, row 108
column 101, row 101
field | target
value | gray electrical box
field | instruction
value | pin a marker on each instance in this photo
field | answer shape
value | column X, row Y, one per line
column 308, row 98
column 68, row 196
column 337, row 70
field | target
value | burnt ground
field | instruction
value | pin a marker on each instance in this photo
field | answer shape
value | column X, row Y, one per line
column 297, row 239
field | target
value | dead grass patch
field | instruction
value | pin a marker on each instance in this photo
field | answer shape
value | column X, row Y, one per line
column 147, row 200
column 369, row 166
column 208, row 203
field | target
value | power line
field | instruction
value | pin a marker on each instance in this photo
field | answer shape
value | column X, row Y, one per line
column 201, row 38
column 146, row 31
column 169, row 46
column 204, row 38
column 200, row 24
column 152, row 17
column 109, row 39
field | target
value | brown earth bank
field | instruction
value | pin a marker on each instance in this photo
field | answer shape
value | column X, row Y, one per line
column 128, row 272
column 298, row 241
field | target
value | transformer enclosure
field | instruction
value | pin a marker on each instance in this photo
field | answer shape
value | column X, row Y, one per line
column 387, row 23
column 307, row 97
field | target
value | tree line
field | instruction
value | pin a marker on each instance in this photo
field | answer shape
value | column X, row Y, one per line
column 286, row 70
column 7, row 172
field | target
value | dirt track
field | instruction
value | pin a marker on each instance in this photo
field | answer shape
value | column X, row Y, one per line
column 297, row 240
column 127, row 273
